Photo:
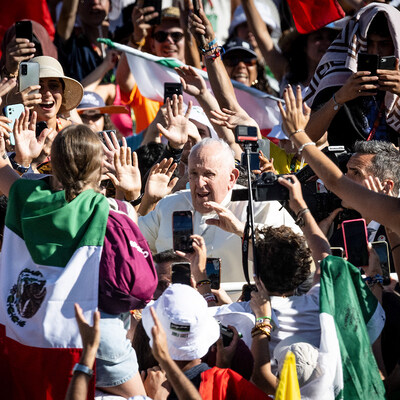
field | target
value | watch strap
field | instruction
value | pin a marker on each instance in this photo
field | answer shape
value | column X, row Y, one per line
column 82, row 368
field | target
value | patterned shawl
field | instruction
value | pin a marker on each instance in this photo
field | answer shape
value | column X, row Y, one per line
column 340, row 60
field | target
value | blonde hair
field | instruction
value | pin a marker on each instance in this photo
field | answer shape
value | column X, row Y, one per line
column 76, row 159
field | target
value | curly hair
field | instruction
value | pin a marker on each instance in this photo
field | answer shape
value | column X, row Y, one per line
column 283, row 258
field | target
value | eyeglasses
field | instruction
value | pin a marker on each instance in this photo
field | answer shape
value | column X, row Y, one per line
column 233, row 61
column 161, row 36
column 90, row 117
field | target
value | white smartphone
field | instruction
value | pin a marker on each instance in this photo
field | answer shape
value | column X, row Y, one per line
column 28, row 75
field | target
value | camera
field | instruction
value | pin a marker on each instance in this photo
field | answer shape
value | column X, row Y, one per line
column 24, row 69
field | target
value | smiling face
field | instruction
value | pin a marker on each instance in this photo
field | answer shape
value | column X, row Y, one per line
column 241, row 66
column 52, row 91
column 170, row 46
column 211, row 175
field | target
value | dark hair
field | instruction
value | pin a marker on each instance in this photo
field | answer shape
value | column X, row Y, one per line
column 141, row 344
column 283, row 258
column 148, row 155
column 76, row 159
column 168, row 256
column 385, row 164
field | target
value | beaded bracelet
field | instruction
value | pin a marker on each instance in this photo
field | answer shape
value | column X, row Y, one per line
column 259, row 329
column 371, row 281
column 203, row 282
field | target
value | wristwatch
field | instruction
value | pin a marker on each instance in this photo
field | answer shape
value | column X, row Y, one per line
column 82, row 368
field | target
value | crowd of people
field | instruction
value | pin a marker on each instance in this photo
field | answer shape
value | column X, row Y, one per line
column 94, row 298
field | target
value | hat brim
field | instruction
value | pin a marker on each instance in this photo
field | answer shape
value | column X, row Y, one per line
column 73, row 94
column 104, row 110
column 241, row 50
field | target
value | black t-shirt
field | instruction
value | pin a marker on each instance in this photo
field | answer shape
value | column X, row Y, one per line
column 355, row 120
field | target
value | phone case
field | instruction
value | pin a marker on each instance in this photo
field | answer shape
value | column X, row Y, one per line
column 362, row 261
column 28, row 75
column 13, row 112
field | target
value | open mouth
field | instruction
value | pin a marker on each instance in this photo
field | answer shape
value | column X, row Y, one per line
column 47, row 106
column 203, row 195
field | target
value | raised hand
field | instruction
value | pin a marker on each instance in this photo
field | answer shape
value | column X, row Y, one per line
column 160, row 346
column 296, row 115
column 201, row 26
column 231, row 119
column 389, row 80
column 296, row 202
column 260, row 302
column 27, row 146
column 265, row 164
column 177, row 129
column 192, row 82
column 226, row 219
column 127, row 175
column 159, row 183
column 18, row 50
column 140, row 18
column 5, row 86
column 90, row 334
column 26, row 97
column 375, row 184
column 197, row 258
column 110, row 147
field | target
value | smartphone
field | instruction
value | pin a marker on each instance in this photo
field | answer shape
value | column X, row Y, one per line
column 109, row 132
column 182, row 229
column 157, row 4
column 388, row 62
column 23, row 30
column 337, row 251
column 13, row 112
column 246, row 291
column 171, row 88
column 355, row 239
column 181, row 273
column 213, row 271
column 28, row 75
column 226, row 334
column 245, row 133
column 368, row 62
column 382, row 249
column 40, row 127
column 254, row 160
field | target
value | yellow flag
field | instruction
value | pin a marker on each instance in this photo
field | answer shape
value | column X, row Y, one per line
column 288, row 388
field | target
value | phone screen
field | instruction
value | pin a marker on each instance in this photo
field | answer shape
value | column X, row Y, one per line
column 181, row 273
column 382, row 250
column 23, row 30
column 171, row 88
column 355, row 242
column 213, row 271
column 182, row 229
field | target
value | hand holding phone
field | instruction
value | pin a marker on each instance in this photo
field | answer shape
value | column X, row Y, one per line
column 23, row 30
column 13, row 112
column 356, row 241
column 182, row 230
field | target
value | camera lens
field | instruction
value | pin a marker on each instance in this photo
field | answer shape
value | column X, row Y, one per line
column 24, row 69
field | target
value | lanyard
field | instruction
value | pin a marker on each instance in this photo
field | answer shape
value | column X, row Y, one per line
column 377, row 121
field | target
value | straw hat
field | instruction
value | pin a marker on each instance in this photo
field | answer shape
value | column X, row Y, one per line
column 73, row 91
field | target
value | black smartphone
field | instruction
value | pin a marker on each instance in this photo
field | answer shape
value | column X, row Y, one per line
column 368, row 62
column 227, row 335
column 246, row 291
column 23, row 30
column 337, row 251
column 157, row 4
column 40, row 127
column 388, row 63
column 213, row 271
column 182, row 229
column 254, row 160
column 171, row 88
column 109, row 132
column 382, row 250
column 356, row 241
column 181, row 273
column 244, row 133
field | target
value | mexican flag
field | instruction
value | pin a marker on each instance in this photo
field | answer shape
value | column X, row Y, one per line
column 351, row 320
column 151, row 72
column 49, row 261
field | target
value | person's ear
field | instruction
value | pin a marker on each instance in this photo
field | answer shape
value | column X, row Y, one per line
column 233, row 177
column 388, row 186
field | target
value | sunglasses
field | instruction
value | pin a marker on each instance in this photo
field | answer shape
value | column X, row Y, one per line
column 233, row 61
column 91, row 117
column 161, row 36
